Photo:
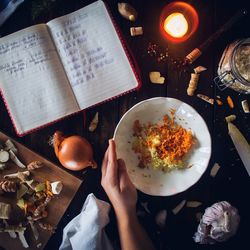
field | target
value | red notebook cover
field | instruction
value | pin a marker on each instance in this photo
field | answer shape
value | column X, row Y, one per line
column 132, row 63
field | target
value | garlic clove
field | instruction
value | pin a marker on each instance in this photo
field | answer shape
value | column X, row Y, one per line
column 215, row 169
column 56, row 187
column 155, row 77
column 127, row 11
column 179, row 207
column 94, row 123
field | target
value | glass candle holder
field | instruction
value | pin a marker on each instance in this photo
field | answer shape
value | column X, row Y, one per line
column 178, row 21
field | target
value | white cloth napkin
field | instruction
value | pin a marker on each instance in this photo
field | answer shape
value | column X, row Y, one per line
column 86, row 230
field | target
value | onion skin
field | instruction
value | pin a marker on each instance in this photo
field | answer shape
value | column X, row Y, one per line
column 73, row 152
column 57, row 139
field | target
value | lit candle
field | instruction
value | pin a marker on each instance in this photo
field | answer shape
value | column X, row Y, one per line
column 178, row 21
column 176, row 25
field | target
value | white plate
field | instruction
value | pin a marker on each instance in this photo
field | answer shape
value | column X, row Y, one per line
column 155, row 182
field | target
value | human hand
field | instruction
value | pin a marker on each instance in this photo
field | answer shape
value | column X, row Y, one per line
column 117, row 185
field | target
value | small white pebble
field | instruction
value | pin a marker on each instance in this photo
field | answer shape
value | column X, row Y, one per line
column 245, row 106
column 215, row 169
column 178, row 208
column 136, row 31
column 145, row 206
column 193, row 204
column 160, row 218
column 156, row 78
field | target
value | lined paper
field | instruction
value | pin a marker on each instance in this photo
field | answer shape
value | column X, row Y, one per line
column 92, row 55
column 33, row 80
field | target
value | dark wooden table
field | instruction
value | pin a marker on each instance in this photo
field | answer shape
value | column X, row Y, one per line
column 232, row 181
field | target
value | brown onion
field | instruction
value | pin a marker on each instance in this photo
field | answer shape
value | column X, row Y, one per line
column 73, row 152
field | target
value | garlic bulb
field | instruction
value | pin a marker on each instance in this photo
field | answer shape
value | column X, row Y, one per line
column 218, row 224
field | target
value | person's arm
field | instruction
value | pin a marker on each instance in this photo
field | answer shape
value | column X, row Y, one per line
column 123, row 196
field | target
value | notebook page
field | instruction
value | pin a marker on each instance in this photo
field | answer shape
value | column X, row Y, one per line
column 32, row 79
column 91, row 52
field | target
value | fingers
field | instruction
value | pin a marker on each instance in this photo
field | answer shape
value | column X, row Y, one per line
column 105, row 163
column 112, row 168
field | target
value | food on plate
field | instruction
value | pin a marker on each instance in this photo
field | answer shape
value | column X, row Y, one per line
column 26, row 199
column 73, row 152
column 162, row 145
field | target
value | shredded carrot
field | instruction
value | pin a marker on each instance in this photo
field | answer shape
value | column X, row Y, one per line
column 48, row 186
column 230, row 102
column 48, row 189
column 170, row 140
column 49, row 193
column 176, row 141
column 25, row 208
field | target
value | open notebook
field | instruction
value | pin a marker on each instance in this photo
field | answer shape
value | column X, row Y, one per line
column 49, row 71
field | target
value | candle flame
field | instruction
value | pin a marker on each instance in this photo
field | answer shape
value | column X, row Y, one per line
column 176, row 25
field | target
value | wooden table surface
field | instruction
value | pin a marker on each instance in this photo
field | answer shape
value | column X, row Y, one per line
column 231, row 183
